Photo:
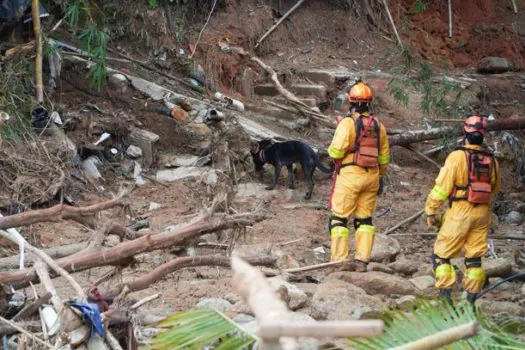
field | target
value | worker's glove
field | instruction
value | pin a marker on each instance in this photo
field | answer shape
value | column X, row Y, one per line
column 380, row 190
column 434, row 221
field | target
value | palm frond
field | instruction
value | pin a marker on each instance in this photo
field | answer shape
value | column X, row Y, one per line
column 430, row 317
column 198, row 329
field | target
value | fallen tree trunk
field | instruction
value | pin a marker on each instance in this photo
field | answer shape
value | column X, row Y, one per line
column 160, row 272
column 100, row 257
column 57, row 213
column 12, row 262
column 409, row 137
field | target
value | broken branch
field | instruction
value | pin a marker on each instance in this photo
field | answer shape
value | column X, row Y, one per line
column 12, row 262
column 57, row 213
column 425, row 157
column 23, row 331
column 39, row 86
column 316, row 266
column 123, row 251
column 160, row 272
column 406, row 221
column 269, row 31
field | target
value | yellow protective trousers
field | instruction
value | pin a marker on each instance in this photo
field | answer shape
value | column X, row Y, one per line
column 354, row 192
column 465, row 226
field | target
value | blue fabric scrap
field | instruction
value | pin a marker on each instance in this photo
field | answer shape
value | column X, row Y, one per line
column 91, row 312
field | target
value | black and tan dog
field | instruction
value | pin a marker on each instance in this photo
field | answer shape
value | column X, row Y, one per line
column 286, row 154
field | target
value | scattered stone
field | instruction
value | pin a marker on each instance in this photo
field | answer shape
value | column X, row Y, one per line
column 183, row 160
column 338, row 300
column 233, row 298
column 385, row 249
column 495, row 307
column 405, row 266
column 504, row 286
column 170, row 175
column 497, row 267
column 154, row 206
column 210, row 178
column 305, row 343
column 424, row 270
column 111, row 241
column 243, row 319
column 523, row 289
column 156, row 92
column 423, row 282
column 127, row 166
column 297, row 297
column 491, row 65
column 373, row 266
column 147, row 141
column 242, row 308
column 215, row 303
column 158, row 260
column 252, row 189
column 406, row 302
column 375, row 282
column 514, row 217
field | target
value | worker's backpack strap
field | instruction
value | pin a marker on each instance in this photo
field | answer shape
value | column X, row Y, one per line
column 480, row 165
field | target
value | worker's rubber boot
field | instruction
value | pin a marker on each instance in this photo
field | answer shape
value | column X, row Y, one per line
column 446, row 295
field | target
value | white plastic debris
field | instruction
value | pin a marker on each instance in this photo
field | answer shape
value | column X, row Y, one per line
column 139, row 181
column 51, row 320
column 55, row 117
column 238, row 105
column 154, row 206
column 90, row 167
column 102, row 138
column 134, row 151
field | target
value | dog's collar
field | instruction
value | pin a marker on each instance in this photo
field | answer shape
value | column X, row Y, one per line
column 261, row 156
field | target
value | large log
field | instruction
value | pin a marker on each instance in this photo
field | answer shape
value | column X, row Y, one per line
column 163, row 270
column 12, row 262
column 409, row 137
column 110, row 256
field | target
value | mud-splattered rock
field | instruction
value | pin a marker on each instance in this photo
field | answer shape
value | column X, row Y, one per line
column 376, row 282
column 339, row 300
column 297, row 297
column 424, row 270
column 385, row 249
column 405, row 266
column 423, row 282
column 243, row 319
column 215, row 303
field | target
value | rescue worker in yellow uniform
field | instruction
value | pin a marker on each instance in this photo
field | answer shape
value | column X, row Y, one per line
column 361, row 152
column 468, row 180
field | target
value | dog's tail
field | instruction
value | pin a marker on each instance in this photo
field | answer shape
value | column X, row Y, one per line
column 323, row 168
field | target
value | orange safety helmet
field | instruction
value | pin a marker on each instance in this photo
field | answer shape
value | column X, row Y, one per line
column 475, row 123
column 360, row 93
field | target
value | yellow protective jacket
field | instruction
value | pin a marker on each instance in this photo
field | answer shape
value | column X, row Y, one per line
column 455, row 173
column 345, row 137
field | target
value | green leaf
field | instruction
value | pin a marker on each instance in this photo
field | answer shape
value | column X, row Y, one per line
column 201, row 328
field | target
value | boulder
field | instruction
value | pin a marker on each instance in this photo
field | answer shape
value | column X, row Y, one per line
column 514, row 217
column 405, row 266
column 215, row 303
column 339, row 300
column 373, row 266
column 406, row 302
column 423, row 282
column 491, row 65
column 424, row 270
column 376, row 282
column 134, row 152
column 296, row 297
column 170, row 175
column 495, row 307
column 500, row 267
column 385, row 249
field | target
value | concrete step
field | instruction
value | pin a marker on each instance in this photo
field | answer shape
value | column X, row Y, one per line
column 317, row 91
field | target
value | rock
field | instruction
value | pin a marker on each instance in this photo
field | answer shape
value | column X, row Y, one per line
column 423, row 282
column 154, row 206
column 210, row 178
column 338, row 300
column 215, row 303
column 252, row 189
column 233, row 298
column 179, row 114
column 318, row 91
column 385, row 249
column 79, row 335
column 405, row 266
column 504, row 286
column 297, row 297
column 305, row 343
column 156, row 92
column 95, row 342
column 243, row 319
column 376, row 282
column 199, row 130
column 514, row 217
column 265, row 90
column 494, row 307
column 147, row 141
column 170, row 175
column 242, row 308
column 373, row 266
column 127, row 166
column 406, row 302
column 523, row 289
column 491, row 65
column 424, row 270
column 497, row 267
column 182, row 160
